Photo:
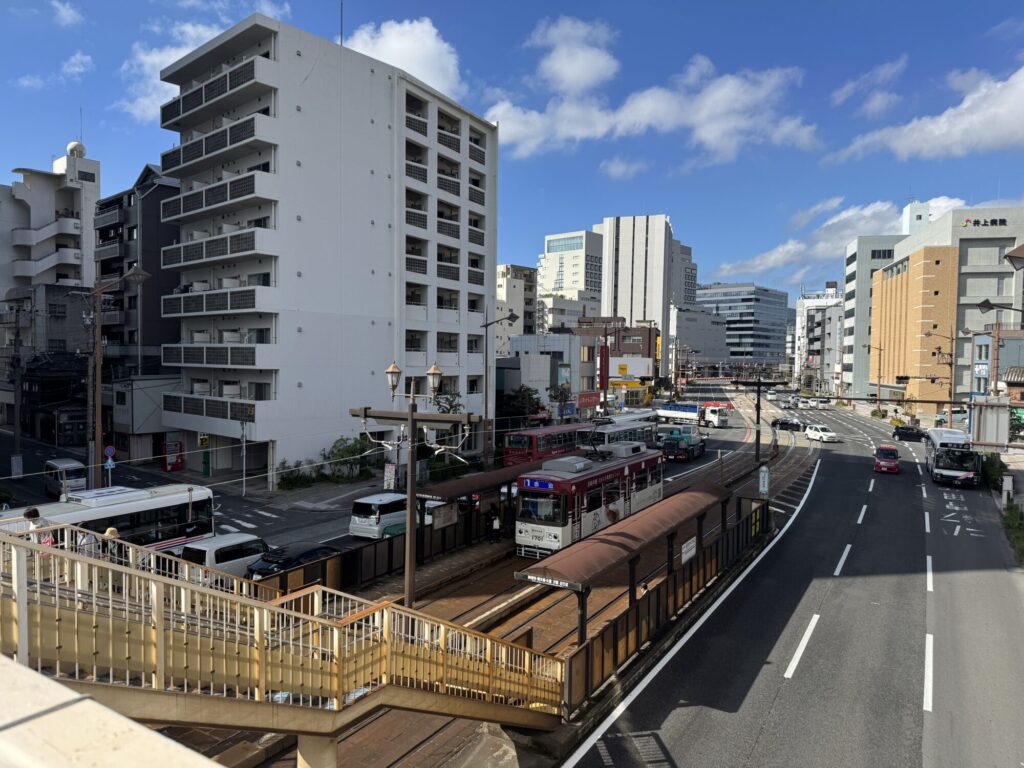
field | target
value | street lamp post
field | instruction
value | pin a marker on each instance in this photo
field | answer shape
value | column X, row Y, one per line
column 987, row 306
column 488, row 430
column 759, row 384
column 134, row 276
column 413, row 420
column 951, row 362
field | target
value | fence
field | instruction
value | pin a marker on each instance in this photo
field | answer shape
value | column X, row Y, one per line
column 597, row 660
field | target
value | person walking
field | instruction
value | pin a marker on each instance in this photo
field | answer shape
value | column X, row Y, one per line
column 35, row 522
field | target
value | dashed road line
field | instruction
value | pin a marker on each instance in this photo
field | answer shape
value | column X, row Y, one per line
column 871, row 485
column 928, row 569
column 266, row 514
column 956, row 531
column 863, row 509
column 242, row 523
column 800, row 648
column 928, row 652
column 927, row 523
column 924, row 491
column 228, row 528
column 842, row 560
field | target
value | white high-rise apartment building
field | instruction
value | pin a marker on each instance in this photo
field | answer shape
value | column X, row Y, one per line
column 516, row 292
column 570, row 265
column 817, row 343
column 645, row 275
column 336, row 214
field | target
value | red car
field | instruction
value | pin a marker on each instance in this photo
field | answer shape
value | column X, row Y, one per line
column 887, row 459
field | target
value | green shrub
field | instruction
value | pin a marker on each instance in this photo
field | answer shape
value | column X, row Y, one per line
column 878, row 413
column 298, row 475
column 992, row 471
column 897, row 422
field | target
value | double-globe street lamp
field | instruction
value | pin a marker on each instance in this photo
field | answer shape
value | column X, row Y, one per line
column 511, row 317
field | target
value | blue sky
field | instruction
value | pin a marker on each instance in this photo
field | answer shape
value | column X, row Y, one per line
column 771, row 133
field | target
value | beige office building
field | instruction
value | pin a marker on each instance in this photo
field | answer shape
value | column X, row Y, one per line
column 929, row 294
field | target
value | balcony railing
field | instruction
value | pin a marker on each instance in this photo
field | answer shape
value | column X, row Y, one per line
column 220, row 355
column 449, row 228
column 108, row 218
column 413, row 264
column 450, row 140
column 231, row 245
column 216, row 302
column 415, row 218
column 416, row 124
column 476, row 195
column 477, row 155
column 476, row 236
column 451, row 186
column 211, row 407
column 219, row 146
column 476, row 276
column 109, row 251
column 220, row 92
column 448, row 272
column 416, row 171
column 250, row 187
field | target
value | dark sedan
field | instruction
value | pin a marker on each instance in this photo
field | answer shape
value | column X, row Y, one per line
column 791, row 425
column 289, row 556
column 910, row 434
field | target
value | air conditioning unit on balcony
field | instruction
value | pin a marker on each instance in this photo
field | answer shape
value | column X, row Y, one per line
column 200, row 387
column 200, row 337
column 230, row 282
column 231, row 390
column 230, row 337
column 200, row 285
column 197, row 234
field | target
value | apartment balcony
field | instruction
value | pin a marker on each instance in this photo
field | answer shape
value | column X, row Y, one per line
column 265, row 356
column 450, row 185
column 234, row 300
column 476, row 236
column 415, row 264
column 113, row 317
column 450, row 140
column 476, row 276
column 61, row 225
column 448, row 314
column 226, row 246
column 448, row 271
column 235, row 140
column 416, row 171
column 477, row 196
column 416, row 123
column 448, row 228
column 416, row 312
column 255, row 188
column 222, row 415
column 114, row 250
column 415, row 218
column 220, row 93
column 35, row 267
column 476, row 154
column 108, row 218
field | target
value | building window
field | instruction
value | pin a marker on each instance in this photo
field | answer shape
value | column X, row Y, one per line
column 120, row 398
column 58, row 310
column 56, row 345
column 133, row 233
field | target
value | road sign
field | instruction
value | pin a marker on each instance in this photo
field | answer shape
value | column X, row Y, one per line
column 763, row 480
column 109, row 451
column 689, row 550
column 204, row 440
column 109, row 464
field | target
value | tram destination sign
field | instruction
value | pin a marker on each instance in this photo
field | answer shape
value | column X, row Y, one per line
column 544, row 485
column 547, row 581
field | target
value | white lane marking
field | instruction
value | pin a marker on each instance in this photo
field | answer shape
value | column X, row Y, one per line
column 871, row 485
column 924, row 491
column 862, row 511
column 928, row 570
column 228, row 528
column 956, row 531
column 266, row 514
column 928, row 650
column 616, row 713
column 918, row 468
column 218, row 514
column 800, row 648
column 242, row 523
column 842, row 559
column 927, row 523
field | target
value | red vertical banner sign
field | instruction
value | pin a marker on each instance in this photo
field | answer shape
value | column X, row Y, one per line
column 602, row 366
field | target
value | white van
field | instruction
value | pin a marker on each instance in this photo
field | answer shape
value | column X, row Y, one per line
column 62, row 476
column 373, row 515
column 228, row 552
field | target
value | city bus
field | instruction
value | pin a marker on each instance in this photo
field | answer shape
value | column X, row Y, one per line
column 527, row 445
column 571, row 497
column 949, row 457
column 165, row 517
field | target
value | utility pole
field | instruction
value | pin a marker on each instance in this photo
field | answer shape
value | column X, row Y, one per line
column 16, row 463
column 758, row 383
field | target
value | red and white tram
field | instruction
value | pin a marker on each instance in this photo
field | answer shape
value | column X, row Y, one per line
column 572, row 497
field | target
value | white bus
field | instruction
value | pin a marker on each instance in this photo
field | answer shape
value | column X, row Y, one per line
column 949, row 458
column 165, row 517
column 625, row 417
column 606, row 434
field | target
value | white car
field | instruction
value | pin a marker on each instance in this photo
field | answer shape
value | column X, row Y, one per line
column 804, row 404
column 821, row 433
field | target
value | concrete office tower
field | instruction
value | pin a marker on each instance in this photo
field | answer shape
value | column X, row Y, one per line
column 46, row 259
column 936, row 280
column 644, row 275
column 336, row 214
column 570, row 265
column 864, row 256
column 755, row 320
column 817, row 359
column 516, row 291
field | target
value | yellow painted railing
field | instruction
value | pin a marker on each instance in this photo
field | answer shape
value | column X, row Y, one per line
column 140, row 620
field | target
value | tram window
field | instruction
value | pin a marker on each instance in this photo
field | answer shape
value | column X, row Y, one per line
column 542, row 443
column 611, row 492
column 541, row 509
column 640, row 481
column 594, row 500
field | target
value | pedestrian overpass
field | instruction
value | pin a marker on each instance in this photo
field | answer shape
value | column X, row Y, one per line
column 164, row 641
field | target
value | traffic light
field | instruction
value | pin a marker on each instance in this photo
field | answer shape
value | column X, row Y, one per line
column 906, row 380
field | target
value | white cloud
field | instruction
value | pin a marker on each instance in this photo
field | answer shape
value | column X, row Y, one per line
column 964, row 81
column 877, row 103
column 77, row 65
column 577, row 60
column 272, row 9
column 65, row 14
column 877, row 77
column 31, row 82
column 141, row 72
column 721, row 114
column 802, row 218
column 617, row 168
column 822, row 251
column 415, row 46
column 1007, row 28
column 989, row 117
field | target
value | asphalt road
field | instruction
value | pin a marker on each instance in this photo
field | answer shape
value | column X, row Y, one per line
column 839, row 649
